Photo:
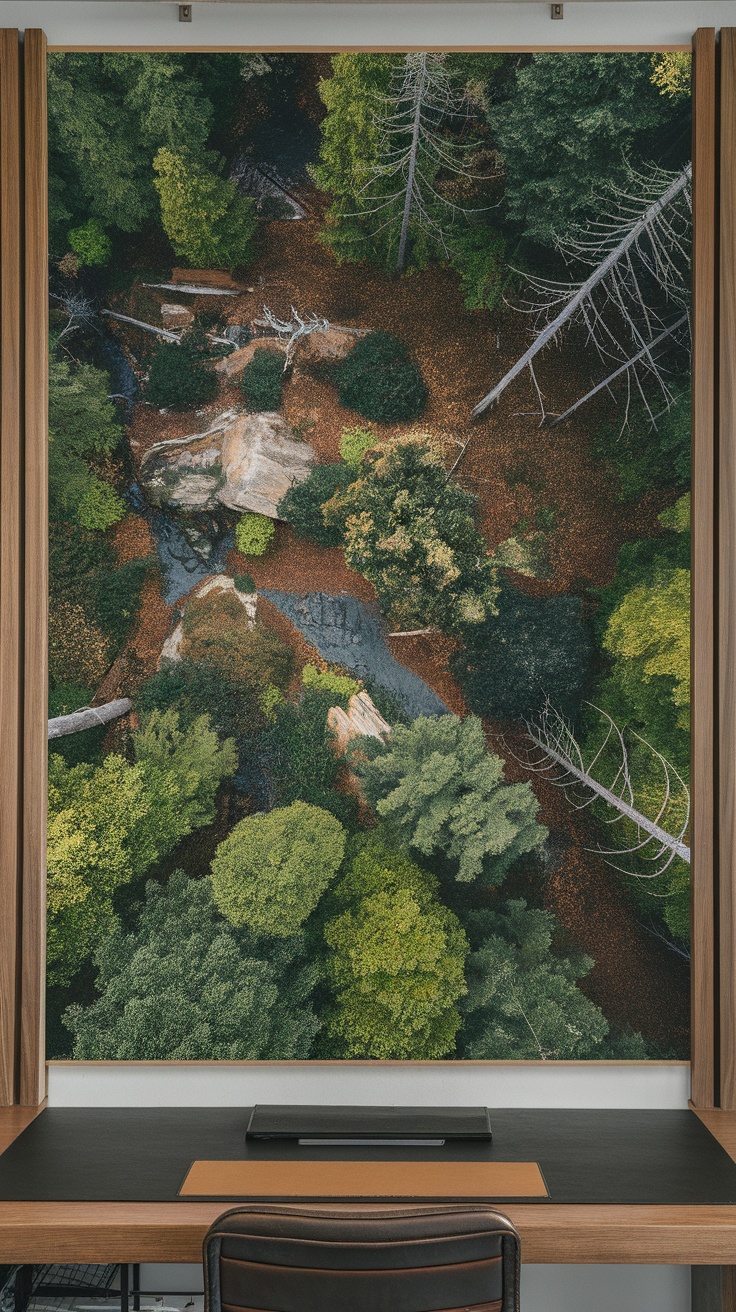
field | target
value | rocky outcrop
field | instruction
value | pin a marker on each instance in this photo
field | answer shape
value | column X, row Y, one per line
column 243, row 462
column 351, row 633
column 361, row 720
column 332, row 344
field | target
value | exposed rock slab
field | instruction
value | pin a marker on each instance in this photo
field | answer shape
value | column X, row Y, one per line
column 243, row 462
column 175, row 316
column 361, row 720
column 235, row 363
column 332, row 344
column 349, row 632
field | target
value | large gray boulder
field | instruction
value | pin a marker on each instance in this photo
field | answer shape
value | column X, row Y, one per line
column 242, row 461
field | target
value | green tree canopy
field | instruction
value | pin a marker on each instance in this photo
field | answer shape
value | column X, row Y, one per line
column 445, row 794
column 110, row 822
column 571, row 128
column 204, row 216
column 183, row 985
column 411, row 532
column 109, row 113
column 302, row 505
column 349, row 147
column 82, row 424
column 523, row 1000
column 396, row 961
column 272, row 869
column 298, row 752
column 533, row 648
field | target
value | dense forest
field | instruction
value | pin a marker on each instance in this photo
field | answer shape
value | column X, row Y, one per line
column 369, row 665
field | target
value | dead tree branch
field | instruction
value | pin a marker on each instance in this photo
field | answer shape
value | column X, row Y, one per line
column 88, row 717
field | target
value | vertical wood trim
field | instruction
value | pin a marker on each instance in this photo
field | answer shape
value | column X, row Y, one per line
column 702, row 990
column 11, row 562
column 35, row 682
column 727, row 569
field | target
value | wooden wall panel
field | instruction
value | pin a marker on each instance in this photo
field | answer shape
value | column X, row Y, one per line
column 32, row 1073
column 727, row 569
column 11, row 555
column 703, row 551
column 23, row 569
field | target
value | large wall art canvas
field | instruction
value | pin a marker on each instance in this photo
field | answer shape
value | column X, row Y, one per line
column 369, row 555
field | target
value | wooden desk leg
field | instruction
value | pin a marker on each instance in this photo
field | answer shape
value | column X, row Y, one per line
column 713, row 1288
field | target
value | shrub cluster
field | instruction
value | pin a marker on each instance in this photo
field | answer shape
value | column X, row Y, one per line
column 244, row 583
column 339, row 686
column 302, row 505
column 179, row 378
column 354, row 442
column 90, row 244
column 379, row 380
column 254, row 533
column 263, row 379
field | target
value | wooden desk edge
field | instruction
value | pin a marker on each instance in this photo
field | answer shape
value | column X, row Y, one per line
column 173, row 1232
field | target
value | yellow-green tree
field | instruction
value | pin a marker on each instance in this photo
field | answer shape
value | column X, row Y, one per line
column 110, row 822
column 650, row 631
column 395, row 963
column 271, row 871
column 204, row 216
column 412, row 533
column 350, row 147
column 671, row 72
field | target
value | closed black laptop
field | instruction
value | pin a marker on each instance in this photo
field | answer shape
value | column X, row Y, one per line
column 345, row 1124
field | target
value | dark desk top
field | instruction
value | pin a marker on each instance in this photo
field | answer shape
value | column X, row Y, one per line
column 586, row 1157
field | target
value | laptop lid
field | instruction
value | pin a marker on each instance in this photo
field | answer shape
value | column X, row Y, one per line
column 288, row 1121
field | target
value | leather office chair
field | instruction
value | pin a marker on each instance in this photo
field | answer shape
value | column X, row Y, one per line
column 268, row 1257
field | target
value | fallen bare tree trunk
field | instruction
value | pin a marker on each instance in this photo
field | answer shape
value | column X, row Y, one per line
column 580, row 295
column 159, row 332
column 195, row 290
column 89, row 717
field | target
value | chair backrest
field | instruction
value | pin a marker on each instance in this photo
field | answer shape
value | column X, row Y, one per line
column 268, row 1257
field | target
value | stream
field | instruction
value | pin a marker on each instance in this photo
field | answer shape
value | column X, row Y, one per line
column 349, row 632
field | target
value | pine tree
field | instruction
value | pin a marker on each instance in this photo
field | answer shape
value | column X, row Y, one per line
column 205, row 218
column 437, row 784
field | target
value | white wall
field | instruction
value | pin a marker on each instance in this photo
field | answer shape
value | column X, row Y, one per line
column 154, row 22
column 581, row 1084
column 458, row 24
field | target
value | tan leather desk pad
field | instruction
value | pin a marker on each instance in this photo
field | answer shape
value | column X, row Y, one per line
column 408, row 1179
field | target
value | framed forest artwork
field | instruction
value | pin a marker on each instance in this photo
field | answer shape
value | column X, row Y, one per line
column 369, row 545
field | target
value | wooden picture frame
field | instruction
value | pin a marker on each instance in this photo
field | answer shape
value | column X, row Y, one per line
column 23, row 568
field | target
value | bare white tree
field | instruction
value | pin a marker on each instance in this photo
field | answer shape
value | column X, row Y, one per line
column 294, row 328
column 78, row 308
column 414, row 147
column 639, row 256
column 556, row 757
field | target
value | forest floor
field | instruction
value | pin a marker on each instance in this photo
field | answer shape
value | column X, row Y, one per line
column 517, row 469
